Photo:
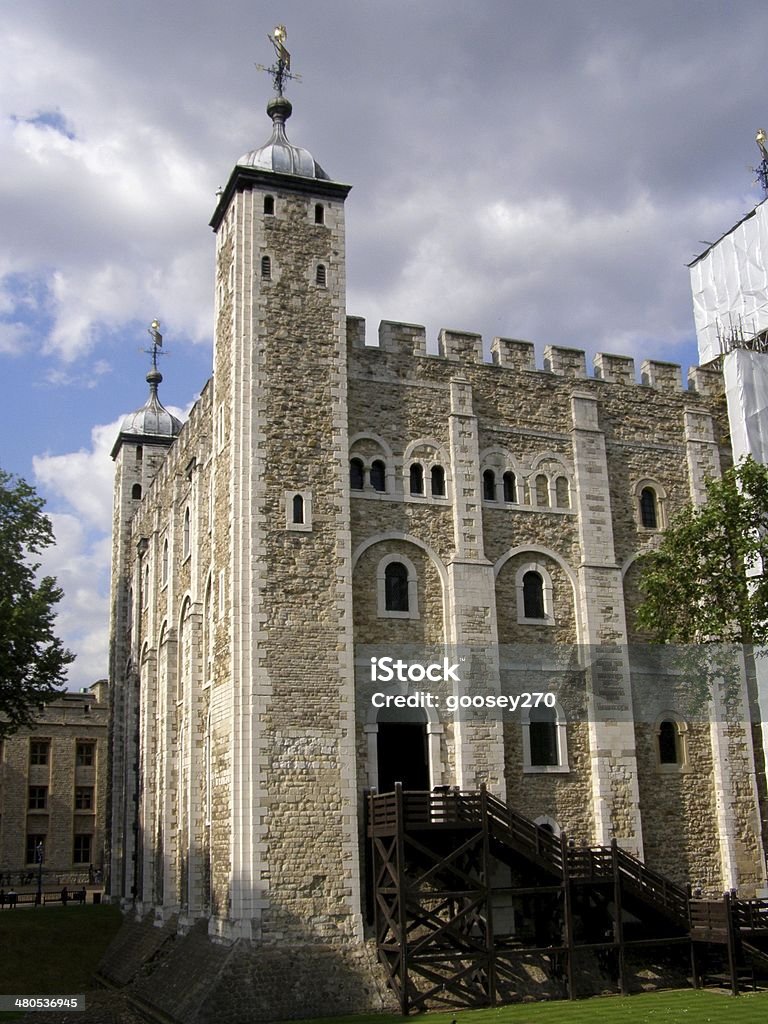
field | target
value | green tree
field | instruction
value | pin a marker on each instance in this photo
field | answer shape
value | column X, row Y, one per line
column 708, row 581
column 32, row 659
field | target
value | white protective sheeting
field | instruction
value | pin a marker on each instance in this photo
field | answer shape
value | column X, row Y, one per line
column 746, row 390
column 730, row 284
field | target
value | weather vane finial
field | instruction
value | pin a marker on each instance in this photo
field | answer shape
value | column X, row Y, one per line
column 762, row 170
column 157, row 342
column 281, row 69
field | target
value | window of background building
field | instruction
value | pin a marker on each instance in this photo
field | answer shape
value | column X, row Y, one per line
column 81, row 853
column 84, row 798
column 33, row 842
column 39, row 751
column 85, row 754
column 38, row 798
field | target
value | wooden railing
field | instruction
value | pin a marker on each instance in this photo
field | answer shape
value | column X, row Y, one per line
column 750, row 915
column 654, row 887
column 452, row 808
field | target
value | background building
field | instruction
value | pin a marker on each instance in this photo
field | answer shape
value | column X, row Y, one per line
column 53, row 790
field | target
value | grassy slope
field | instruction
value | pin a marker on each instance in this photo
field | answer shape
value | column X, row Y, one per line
column 53, row 950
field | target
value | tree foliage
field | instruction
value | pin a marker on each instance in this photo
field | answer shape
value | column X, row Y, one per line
column 708, row 581
column 32, row 659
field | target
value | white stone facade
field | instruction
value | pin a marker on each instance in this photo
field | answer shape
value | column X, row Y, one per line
column 250, row 585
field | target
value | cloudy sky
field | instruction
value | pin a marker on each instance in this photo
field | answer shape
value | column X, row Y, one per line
column 539, row 170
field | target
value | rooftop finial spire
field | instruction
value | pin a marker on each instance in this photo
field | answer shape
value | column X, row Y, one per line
column 154, row 377
column 281, row 69
column 762, row 170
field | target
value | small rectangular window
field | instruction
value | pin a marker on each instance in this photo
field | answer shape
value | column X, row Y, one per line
column 85, row 754
column 38, row 798
column 39, row 751
column 84, row 798
column 81, row 853
column 35, row 849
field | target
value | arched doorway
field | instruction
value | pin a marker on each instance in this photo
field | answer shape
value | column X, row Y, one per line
column 401, row 749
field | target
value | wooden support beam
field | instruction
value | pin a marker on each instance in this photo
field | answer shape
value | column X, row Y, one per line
column 568, row 915
column 618, row 924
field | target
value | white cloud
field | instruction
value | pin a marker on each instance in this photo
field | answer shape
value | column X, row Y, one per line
column 79, row 487
column 83, row 479
column 79, row 490
column 80, row 562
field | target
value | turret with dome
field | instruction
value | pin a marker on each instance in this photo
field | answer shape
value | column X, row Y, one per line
column 152, row 422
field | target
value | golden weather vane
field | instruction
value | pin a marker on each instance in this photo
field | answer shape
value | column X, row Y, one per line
column 157, row 342
column 281, row 69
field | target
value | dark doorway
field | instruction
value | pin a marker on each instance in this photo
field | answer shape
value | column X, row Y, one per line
column 402, row 756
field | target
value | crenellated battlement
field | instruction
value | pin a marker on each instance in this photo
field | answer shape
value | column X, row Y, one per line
column 464, row 347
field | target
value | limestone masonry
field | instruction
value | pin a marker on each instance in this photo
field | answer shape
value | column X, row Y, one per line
column 337, row 496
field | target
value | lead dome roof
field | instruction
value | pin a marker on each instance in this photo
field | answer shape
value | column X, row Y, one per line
column 152, row 419
column 277, row 153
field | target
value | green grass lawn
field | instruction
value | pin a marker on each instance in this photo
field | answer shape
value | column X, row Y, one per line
column 53, row 950
column 683, row 1007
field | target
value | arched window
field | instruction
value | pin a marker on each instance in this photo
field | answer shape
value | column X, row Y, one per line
column 533, row 595
column 542, row 491
column 669, row 749
column 269, row 205
column 562, row 493
column 164, row 564
column 648, row 510
column 545, row 742
column 298, row 508
column 320, row 276
column 542, row 733
column 417, row 478
column 437, row 478
column 356, row 476
column 378, row 475
column 136, row 492
column 139, row 453
column 186, row 540
column 319, row 213
column 396, row 587
column 510, row 488
column 489, row 485
column 266, row 267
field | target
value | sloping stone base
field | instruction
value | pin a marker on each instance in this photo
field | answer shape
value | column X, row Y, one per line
column 188, row 979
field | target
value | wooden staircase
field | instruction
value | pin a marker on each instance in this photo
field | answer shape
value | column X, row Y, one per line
column 442, row 915
column 729, row 941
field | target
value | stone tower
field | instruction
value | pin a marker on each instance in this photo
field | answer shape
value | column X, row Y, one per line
column 139, row 451
column 282, row 703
